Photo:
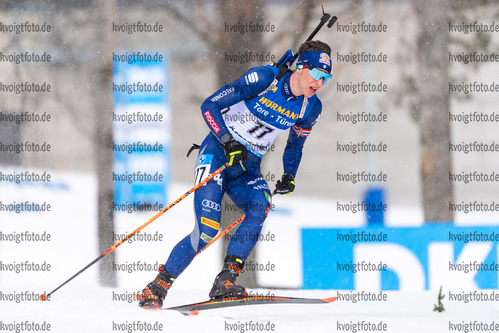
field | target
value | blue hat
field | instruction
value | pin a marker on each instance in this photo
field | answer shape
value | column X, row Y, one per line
column 314, row 59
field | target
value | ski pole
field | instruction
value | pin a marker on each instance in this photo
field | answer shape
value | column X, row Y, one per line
column 44, row 297
column 226, row 230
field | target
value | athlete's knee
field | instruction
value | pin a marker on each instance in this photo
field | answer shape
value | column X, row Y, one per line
column 257, row 212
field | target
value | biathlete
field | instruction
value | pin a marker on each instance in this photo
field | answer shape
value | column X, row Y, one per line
column 244, row 118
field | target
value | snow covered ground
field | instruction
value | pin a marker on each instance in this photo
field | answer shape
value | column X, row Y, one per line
column 83, row 305
column 88, row 308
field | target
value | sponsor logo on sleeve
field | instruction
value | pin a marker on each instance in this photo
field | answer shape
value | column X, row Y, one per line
column 251, row 78
column 213, row 124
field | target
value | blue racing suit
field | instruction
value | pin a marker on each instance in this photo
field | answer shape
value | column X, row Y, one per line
column 255, row 121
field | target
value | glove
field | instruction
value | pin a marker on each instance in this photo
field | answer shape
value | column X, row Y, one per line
column 236, row 153
column 286, row 185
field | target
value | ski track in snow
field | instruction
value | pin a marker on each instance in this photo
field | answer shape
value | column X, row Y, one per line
column 89, row 308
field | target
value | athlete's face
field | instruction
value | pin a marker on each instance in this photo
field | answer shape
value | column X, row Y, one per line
column 307, row 85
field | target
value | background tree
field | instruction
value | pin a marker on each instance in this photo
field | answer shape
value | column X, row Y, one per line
column 433, row 106
column 426, row 90
column 104, row 12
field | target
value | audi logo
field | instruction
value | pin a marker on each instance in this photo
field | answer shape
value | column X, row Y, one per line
column 210, row 204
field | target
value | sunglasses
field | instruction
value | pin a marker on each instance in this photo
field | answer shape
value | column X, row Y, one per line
column 317, row 74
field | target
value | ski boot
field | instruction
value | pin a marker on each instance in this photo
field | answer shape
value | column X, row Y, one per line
column 154, row 293
column 224, row 285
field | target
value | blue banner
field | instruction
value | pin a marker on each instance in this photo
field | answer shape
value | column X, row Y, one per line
column 141, row 131
column 424, row 258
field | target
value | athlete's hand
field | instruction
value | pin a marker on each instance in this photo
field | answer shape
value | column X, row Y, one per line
column 286, row 185
column 236, row 153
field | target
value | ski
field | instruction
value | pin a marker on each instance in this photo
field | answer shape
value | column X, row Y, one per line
column 194, row 308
